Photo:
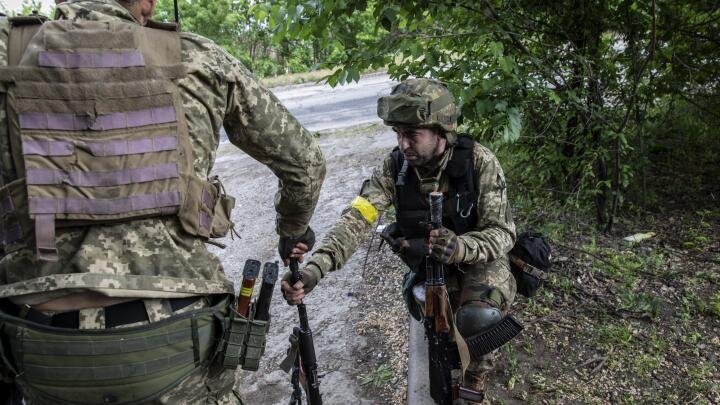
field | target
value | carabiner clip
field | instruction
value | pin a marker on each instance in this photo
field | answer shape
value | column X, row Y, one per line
column 459, row 211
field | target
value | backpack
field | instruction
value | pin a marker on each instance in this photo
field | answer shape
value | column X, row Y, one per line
column 530, row 262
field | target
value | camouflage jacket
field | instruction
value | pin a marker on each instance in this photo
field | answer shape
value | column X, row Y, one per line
column 154, row 258
column 492, row 238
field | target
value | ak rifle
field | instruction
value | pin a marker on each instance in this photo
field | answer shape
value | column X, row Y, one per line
column 305, row 361
column 437, row 325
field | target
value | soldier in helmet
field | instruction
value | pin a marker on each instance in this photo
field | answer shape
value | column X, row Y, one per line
column 108, row 293
column 478, row 228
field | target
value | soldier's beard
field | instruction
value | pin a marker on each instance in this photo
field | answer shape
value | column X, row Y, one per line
column 426, row 160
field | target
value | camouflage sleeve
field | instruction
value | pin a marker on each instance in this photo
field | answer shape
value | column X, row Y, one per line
column 4, row 34
column 346, row 234
column 261, row 126
column 495, row 233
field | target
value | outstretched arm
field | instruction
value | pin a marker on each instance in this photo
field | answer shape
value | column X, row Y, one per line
column 262, row 127
column 342, row 240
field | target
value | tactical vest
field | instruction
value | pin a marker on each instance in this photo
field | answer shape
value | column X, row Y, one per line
column 97, row 134
column 459, row 209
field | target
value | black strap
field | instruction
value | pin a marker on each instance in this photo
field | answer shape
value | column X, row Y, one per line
column 196, row 340
column 125, row 313
column 115, row 315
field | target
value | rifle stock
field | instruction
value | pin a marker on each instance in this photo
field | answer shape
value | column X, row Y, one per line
column 441, row 314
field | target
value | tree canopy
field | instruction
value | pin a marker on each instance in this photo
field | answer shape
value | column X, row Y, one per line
column 577, row 88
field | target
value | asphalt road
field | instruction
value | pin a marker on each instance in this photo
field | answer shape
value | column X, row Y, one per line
column 320, row 107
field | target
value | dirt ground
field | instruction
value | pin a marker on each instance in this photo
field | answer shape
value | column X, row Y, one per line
column 622, row 322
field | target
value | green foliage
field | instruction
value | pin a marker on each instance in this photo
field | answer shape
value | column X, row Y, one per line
column 641, row 303
column 701, row 379
column 574, row 89
column 382, row 375
column 513, row 364
column 714, row 305
column 618, row 336
column 29, row 7
column 651, row 356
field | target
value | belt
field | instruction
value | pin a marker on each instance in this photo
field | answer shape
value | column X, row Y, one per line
column 115, row 315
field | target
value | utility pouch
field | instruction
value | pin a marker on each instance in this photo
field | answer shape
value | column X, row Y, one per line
column 244, row 341
column 208, row 213
column 221, row 222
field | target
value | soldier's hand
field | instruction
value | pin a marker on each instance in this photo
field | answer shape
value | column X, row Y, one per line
column 445, row 247
column 295, row 247
column 294, row 294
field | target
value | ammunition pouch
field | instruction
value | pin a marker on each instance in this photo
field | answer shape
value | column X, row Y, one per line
column 120, row 366
column 244, row 341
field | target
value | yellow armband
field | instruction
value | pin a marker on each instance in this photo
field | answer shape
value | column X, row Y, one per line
column 365, row 208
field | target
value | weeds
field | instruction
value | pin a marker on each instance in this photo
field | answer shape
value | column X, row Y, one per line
column 714, row 305
column 617, row 336
column 512, row 357
column 379, row 377
column 700, row 379
column 642, row 303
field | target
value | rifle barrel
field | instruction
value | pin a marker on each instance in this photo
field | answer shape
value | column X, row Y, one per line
column 306, row 346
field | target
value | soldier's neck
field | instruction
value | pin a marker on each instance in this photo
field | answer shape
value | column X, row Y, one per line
column 436, row 164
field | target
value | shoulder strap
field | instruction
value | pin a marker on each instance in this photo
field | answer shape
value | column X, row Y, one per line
column 460, row 168
column 22, row 29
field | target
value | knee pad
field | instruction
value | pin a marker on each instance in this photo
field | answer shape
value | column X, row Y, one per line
column 476, row 317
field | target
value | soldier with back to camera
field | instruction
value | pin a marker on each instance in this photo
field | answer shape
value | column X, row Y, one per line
column 108, row 293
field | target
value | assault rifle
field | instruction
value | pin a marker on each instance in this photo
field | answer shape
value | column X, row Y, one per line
column 437, row 326
column 305, row 359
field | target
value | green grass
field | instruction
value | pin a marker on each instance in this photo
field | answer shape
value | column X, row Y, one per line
column 513, row 369
column 617, row 336
column 379, row 377
column 714, row 305
column 641, row 303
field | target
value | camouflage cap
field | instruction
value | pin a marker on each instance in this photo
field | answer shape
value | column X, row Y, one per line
column 420, row 102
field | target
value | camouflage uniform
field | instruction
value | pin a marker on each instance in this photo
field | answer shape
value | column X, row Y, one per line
column 153, row 258
column 485, row 263
column 483, row 273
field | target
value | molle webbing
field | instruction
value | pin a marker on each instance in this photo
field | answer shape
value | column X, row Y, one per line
column 122, row 365
column 103, row 179
column 107, row 148
column 77, row 122
column 90, row 60
column 98, row 128
column 104, row 206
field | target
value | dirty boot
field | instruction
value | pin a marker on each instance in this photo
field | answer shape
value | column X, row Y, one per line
column 472, row 389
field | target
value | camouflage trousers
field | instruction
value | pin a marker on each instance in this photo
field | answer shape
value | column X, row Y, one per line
column 492, row 283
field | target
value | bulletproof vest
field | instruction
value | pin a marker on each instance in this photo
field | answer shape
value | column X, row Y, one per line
column 459, row 210
column 97, row 134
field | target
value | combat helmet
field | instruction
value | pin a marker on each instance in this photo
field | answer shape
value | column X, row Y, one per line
column 420, row 102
